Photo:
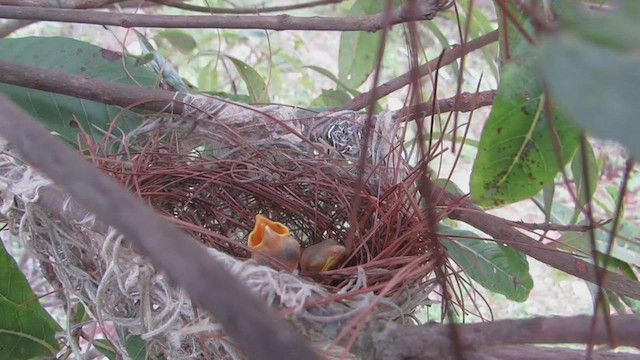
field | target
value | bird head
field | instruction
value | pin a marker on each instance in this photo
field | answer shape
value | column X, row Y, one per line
column 323, row 256
column 270, row 240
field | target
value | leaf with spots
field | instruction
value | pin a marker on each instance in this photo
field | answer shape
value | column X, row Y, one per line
column 66, row 114
column 26, row 329
column 516, row 155
column 496, row 267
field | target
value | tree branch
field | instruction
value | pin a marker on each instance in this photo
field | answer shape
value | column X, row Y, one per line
column 370, row 23
column 255, row 10
column 403, row 80
column 248, row 321
column 464, row 210
column 106, row 92
column 466, row 102
column 432, row 341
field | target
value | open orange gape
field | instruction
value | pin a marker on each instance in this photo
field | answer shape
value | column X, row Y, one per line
column 272, row 244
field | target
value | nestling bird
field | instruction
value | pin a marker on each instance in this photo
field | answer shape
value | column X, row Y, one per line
column 271, row 242
column 322, row 256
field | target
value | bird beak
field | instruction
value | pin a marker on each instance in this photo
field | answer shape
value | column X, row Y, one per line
column 335, row 254
column 266, row 233
column 271, row 242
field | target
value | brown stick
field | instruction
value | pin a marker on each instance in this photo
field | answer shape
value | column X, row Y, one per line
column 254, row 10
column 106, row 92
column 278, row 22
column 466, row 102
column 432, row 341
column 248, row 321
column 464, row 210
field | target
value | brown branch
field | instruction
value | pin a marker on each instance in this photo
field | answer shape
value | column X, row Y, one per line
column 531, row 352
column 466, row 211
column 432, row 341
column 248, row 321
column 57, row 4
column 403, row 80
column 255, row 10
column 466, row 102
column 370, row 23
column 106, row 92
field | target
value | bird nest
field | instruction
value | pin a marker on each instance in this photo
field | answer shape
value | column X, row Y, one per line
column 210, row 171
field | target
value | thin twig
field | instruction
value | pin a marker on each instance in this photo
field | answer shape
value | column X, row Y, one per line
column 403, row 80
column 559, row 227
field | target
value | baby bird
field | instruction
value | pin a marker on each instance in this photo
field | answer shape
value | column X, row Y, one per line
column 322, row 256
column 271, row 242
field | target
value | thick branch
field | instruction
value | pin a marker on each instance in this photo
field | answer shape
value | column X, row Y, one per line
column 254, row 10
column 248, row 321
column 279, row 22
column 432, row 341
column 449, row 56
column 106, row 92
column 464, row 210
column 64, row 4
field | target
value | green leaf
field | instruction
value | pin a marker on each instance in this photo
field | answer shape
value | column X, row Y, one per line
column 449, row 186
column 358, row 49
column 105, row 348
column 136, row 347
column 330, row 76
column 179, row 39
column 579, row 166
column 208, row 78
column 516, row 157
column 496, row 267
column 596, row 86
column 59, row 113
column 254, row 82
column 616, row 29
column 26, row 329
column 547, row 196
column 334, row 98
column 625, row 248
column 633, row 304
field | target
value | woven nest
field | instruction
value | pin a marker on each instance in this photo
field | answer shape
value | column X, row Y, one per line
column 210, row 171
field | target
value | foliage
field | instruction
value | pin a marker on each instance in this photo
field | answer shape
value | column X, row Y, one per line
column 67, row 115
column 552, row 90
column 26, row 329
